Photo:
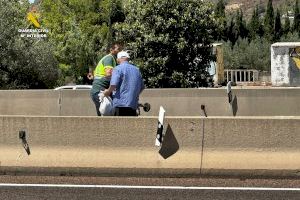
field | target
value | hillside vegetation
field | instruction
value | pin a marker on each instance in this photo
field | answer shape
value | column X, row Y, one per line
column 247, row 6
column 168, row 40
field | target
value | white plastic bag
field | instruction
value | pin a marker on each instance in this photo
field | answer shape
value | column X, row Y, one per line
column 106, row 105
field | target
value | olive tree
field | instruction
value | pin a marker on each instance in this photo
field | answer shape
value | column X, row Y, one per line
column 170, row 40
column 25, row 63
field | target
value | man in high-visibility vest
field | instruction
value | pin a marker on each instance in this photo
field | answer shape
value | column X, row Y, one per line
column 102, row 74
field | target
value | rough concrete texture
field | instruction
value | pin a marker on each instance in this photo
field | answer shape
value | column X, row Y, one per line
column 177, row 102
column 283, row 69
column 29, row 102
column 247, row 102
column 76, row 103
column 92, row 142
column 193, row 145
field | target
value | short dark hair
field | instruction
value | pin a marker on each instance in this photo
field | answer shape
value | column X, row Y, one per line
column 115, row 44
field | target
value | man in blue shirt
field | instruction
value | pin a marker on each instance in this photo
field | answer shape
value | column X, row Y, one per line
column 127, row 83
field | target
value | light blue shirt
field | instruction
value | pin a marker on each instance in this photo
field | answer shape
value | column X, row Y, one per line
column 129, row 84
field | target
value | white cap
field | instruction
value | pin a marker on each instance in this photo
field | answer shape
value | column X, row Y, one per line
column 123, row 54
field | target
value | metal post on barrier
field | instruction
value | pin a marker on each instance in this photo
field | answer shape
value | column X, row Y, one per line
column 203, row 109
column 22, row 137
column 232, row 100
column 229, row 93
column 160, row 127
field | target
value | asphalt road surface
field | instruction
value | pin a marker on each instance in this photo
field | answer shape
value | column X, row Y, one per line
column 43, row 187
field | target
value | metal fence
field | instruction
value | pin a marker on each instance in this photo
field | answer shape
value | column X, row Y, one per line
column 240, row 75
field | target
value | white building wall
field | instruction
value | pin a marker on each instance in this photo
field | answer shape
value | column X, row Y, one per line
column 283, row 70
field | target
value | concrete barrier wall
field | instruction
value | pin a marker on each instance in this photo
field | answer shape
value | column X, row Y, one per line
column 248, row 102
column 265, row 143
column 29, row 102
column 177, row 102
column 192, row 145
column 91, row 142
column 76, row 103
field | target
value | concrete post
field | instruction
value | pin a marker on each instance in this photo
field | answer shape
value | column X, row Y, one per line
column 284, row 69
column 219, row 76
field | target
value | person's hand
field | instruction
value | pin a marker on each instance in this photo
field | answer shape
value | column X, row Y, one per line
column 90, row 76
column 106, row 92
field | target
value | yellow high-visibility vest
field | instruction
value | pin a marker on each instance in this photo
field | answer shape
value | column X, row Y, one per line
column 100, row 69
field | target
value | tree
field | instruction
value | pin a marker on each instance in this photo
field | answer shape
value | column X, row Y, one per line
column 26, row 63
column 220, row 9
column 269, row 21
column 170, row 40
column 291, row 37
column 278, row 26
column 255, row 25
column 253, row 55
column 81, row 31
column 232, row 32
column 296, row 25
column 237, row 28
column 287, row 25
column 115, row 14
column 241, row 24
column 220, row 33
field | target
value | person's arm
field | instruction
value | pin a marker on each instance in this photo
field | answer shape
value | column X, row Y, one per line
column 109, row 63
column 115, row 80
column 108, row 91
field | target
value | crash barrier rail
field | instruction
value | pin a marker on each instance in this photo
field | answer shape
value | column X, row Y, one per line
column 126, row 145
column 240, row 75
column 178, row 102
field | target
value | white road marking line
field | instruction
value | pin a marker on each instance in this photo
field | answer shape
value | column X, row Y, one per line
column 147, row 187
